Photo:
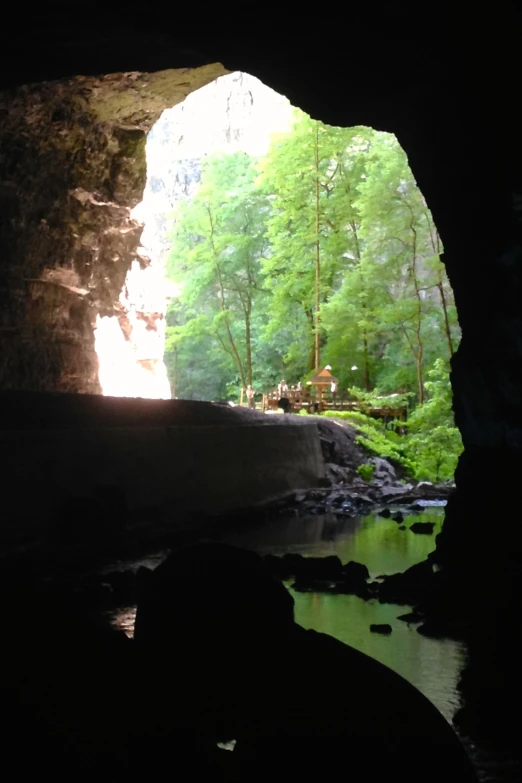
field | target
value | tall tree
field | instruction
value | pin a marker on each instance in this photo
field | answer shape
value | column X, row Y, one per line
column 307, row 175
column 398, row 238
column 324, row 250
column 218, row 240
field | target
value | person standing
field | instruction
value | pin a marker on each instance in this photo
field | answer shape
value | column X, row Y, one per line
column 283, row 389
column 250, row 393
column 333, row 389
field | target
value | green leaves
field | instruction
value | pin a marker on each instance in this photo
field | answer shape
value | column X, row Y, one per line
column 431, row 446
column 330, row 235
column 218, row 240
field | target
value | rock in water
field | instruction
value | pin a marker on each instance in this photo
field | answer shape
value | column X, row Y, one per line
column 423, row 527
column 383, row 628
column 355, row 572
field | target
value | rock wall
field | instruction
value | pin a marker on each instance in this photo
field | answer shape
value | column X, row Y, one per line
column 72, row 167
column 235, row 113
column 162, row 461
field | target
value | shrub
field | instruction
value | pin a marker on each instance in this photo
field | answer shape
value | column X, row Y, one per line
column 366, row 471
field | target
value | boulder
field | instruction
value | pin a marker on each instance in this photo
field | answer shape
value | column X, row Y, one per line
column 320, row 568
column 411, row 617
column 336, row 474
column 284, row 567
column 384, row 470
column 305, row 570
column 425, row 528
column 386, row 513
column 329, row 450
column 383, row 628
column 409, row 586
column 397, row 517
column 391, row 492
column 314, row 586
column 355, row 572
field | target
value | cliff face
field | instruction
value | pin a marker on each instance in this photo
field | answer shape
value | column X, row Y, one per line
column 72, row 167
column 235, row 113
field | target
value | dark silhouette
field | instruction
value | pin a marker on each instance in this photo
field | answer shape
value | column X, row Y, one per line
column 216, row 636
column 216, row 657
column 284, row 404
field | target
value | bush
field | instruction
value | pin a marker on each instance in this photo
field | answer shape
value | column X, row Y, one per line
column 431, row 448
column 366, row 471
column 433, row 440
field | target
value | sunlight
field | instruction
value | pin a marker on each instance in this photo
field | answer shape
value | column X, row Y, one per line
column 130, row 347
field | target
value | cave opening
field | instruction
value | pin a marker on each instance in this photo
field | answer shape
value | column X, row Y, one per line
column 274, row 245
column 54, row 351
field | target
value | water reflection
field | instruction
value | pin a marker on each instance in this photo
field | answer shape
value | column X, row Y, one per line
column 432, row 665
column 372, row 540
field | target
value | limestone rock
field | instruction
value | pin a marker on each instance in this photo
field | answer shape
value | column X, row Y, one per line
column 72, row 166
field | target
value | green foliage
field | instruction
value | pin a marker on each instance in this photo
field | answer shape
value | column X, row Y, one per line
column 433, row 440
column 374, row 436
column 377, row 399
column 432, row 445
column 218, row 239
column 366, row 471
column 328, row 234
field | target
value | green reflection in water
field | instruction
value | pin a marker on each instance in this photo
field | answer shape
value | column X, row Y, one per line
column 372, row 540
column 384, row 548
column 432, row 665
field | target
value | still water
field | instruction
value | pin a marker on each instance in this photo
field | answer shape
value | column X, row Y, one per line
column 432, row 665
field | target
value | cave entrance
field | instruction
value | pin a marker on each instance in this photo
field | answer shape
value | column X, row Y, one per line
column 275, row 245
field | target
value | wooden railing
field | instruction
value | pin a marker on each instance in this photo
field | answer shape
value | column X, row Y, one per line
column 299, row 400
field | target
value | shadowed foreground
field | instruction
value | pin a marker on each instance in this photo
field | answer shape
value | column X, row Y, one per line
column 216, row 657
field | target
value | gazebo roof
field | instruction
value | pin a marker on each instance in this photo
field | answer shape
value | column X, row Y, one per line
column 322, row 378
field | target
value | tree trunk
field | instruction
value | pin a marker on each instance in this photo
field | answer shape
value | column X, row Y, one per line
column 248, row 341
column 174, row 382
column 311, row 356
column 418, row 338
column 367, row 384
column 435, row 243
column 317, row 255
column 447, row 329
column 222, row 304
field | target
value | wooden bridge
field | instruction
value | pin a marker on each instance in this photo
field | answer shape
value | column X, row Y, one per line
column 303, row 399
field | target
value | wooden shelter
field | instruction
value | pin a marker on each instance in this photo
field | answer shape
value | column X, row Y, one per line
column 322, row 379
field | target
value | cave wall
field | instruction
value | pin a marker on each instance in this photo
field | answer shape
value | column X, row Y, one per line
column 166, row 462
column 72, row 167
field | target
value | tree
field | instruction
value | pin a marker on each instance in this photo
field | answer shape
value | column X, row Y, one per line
column 396, row 299
column 218, row 240
column 308, row 175
column 434, row 442
column 323, row 250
